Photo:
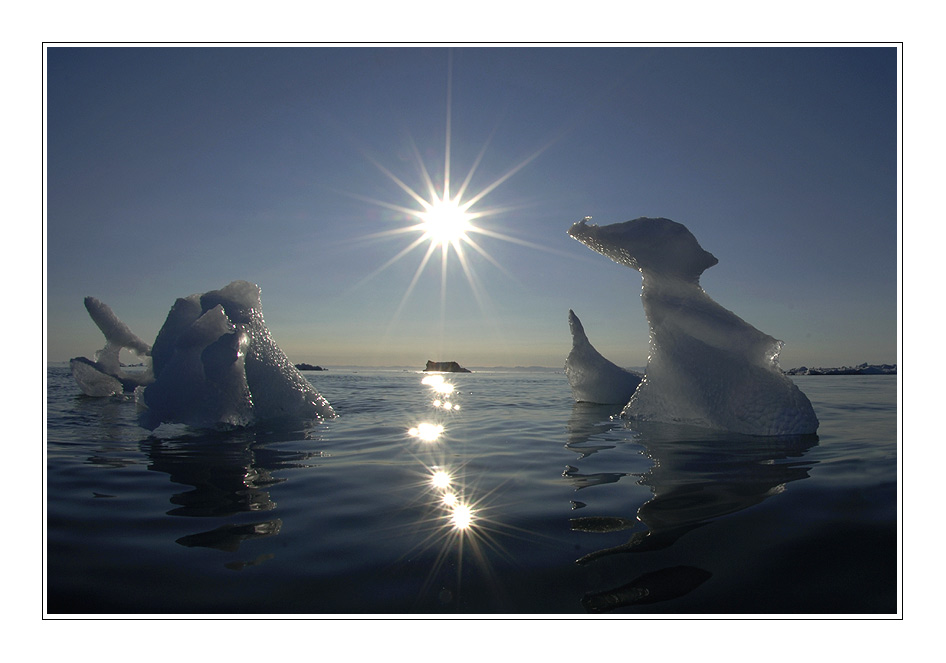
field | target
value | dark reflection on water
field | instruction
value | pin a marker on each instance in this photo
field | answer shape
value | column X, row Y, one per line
column 580, row 480
column 230, row 473
column 588, row 420
column 697, row 476
column 229, row 537
column 653, row 587
column 477, row 518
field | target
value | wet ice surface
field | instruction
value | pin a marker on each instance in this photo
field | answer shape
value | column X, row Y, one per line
column 525, row 502
column 593, row 378
column 214, row 364
column 706, row 366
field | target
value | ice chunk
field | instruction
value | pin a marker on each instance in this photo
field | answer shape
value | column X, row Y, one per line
column 593, row 378
column 707, row 367
column 182, row 315
column 202, row 380
column 215, row 363
column 104, row 376
column 93, row 380
column 117, row 335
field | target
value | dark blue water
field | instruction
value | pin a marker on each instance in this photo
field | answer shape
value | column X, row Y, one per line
column 552, row 507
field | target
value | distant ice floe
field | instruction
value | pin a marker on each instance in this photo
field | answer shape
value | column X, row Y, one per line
column 860, row 369
column 707, row 367
column 593, row 378
column 214, row 363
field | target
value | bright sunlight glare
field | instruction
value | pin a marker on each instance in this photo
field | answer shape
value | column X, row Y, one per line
column 445, row 222
column 426, row 432
column 440, row 479
column 444, row 217
column 438, row 384
column 462, row 516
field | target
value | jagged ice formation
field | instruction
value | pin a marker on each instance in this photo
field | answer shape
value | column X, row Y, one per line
column 214, row 363
column 104, row 376
column 707, row 367
column 593, row 378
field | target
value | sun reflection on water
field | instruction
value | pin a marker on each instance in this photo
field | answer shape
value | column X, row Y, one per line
column 460, row 520
column 440, row 479
column 461, row 516
column 426, row 432
column 438, row 384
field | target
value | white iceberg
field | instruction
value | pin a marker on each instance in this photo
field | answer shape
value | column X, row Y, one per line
column 707, row 367
column 214, row 363
column 593, row 378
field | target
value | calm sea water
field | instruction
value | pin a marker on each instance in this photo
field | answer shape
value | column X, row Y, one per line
column 548, row 506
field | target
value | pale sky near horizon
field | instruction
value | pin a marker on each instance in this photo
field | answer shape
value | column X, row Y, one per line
column 174, row 170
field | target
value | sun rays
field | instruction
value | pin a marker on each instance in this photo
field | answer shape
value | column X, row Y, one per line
column 444, row 222
column 446, row 218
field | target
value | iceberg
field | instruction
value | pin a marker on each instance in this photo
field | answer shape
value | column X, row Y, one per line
column 706, row 367
column 104, row 376
column 593, row 378
column 214, row 363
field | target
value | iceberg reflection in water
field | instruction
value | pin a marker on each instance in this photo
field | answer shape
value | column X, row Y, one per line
column 353, row 515
column 696, row 477
column 230, row 477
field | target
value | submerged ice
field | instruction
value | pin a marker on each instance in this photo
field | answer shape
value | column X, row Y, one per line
column 214, row 362
column 593, row 378
column 707, row 367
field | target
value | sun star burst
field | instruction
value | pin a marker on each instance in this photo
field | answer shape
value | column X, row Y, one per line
column 445, row 222
column 443, row 217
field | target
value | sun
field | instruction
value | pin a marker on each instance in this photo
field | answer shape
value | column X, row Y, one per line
column 447, row 216
column 445, row 222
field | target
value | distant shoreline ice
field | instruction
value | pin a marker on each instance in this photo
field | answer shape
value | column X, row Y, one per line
column 860, row 369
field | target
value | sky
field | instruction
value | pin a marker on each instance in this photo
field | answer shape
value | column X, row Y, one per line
column 175, row 170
